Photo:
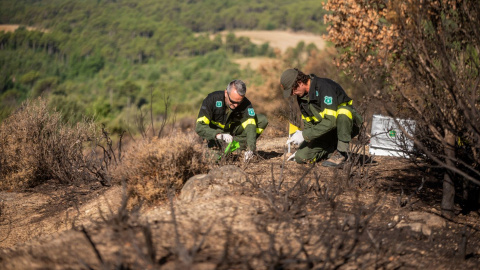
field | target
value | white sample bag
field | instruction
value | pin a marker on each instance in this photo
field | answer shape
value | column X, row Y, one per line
column 387, row 139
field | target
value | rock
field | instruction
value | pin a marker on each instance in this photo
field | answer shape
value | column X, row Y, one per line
column 348, row 222
column 431, row 220
column 422, row 222
column 228, row 174
column 416, row 227
column 194, row 186
column 219, row 182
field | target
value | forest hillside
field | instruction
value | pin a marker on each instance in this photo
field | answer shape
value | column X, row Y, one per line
column 110, row 59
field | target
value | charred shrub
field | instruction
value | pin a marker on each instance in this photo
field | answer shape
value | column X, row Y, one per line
column 152, row 167
column 36, row 145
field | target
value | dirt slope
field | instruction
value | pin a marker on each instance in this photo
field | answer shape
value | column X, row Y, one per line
column 58, row 227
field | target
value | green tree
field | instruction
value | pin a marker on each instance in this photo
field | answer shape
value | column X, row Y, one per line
column 44, row 85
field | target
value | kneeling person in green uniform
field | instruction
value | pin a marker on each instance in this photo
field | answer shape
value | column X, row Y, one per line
column 228, row 115
column 330, row 121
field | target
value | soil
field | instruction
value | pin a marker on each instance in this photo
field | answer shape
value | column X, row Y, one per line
column 383, row 217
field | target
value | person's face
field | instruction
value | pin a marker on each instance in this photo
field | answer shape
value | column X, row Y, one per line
column 300, row 90
column 233, row 99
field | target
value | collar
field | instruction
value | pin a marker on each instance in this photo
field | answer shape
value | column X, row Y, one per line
column 313, row 91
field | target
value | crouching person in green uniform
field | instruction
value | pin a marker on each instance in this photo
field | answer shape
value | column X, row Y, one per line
column 227, row 116
column 330, row 121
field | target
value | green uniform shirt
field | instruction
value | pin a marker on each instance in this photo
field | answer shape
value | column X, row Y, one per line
column 215, row 117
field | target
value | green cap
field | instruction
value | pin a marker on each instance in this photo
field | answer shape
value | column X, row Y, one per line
column 287, row 80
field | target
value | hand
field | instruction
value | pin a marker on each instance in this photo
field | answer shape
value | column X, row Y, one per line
column 297, row 138
column 248, row 155
column 291, row 157
column 225, row 137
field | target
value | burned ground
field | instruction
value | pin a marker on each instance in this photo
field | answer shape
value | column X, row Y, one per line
column 281, row 215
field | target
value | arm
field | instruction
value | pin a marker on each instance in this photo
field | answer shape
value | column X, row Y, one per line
column 250, row 127
column 319, row 129
column 204, row 118
column 326, row 112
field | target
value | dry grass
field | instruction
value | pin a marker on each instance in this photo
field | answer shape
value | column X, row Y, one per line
column 268, row 97
column 281, row 40
column 255, row 62
column 152, row 167
column 13, row 27
column 35, row 146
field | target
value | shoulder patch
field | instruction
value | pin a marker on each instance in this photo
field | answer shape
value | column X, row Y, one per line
column 219, row 104
column 251, row 112
column 328, row 100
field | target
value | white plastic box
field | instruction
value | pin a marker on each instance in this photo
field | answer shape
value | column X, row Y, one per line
column 387, row 139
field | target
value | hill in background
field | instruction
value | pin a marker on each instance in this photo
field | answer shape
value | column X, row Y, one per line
column 110, row 60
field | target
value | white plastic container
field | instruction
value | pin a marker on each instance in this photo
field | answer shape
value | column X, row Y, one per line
column 387, row 139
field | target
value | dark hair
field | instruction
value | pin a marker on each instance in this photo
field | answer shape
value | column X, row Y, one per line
column 301, row 77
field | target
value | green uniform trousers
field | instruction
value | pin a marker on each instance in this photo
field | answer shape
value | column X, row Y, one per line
column 348, row 126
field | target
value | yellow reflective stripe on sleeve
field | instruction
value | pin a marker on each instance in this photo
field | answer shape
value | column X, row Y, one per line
column 309, row 118
column 203, row 119
column 206, row 121
column 331, row 112
column 345, row 112
column 328, row 112
column 250, row 121
column 218, row 124
column 259, row 130
column 346, row 103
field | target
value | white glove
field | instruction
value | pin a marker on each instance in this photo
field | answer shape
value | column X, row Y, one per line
column 297, row 138
column 291, row 157
column 225, row 136
column 248, row 155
